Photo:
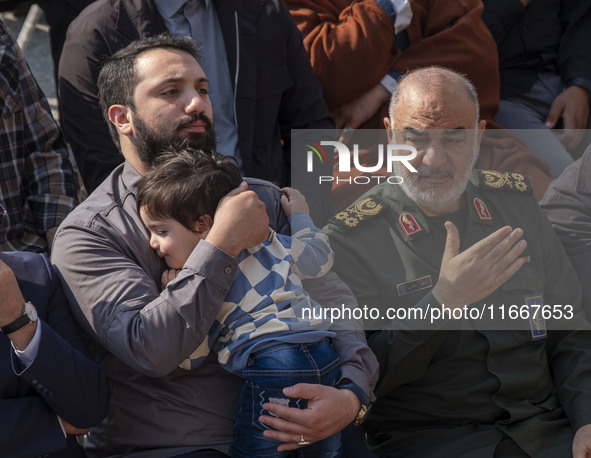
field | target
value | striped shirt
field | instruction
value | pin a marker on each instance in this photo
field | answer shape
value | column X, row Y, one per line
column 266, row 303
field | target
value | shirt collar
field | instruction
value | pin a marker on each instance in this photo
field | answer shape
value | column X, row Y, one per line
column 171, row 7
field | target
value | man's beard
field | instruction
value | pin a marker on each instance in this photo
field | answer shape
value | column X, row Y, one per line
column 433, row 196
column 150, row 143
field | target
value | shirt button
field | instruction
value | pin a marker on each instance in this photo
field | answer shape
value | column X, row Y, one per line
column 218, row 139
column 228, row 270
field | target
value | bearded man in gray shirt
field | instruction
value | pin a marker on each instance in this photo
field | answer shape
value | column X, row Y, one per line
column 154, row 93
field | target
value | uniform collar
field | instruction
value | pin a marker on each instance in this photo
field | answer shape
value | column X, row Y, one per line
column 413, row 223
column 410, row 221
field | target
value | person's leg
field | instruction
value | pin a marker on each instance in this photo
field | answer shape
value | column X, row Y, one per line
column 58, row 15
column 325, row 359
column 525, row 116
column 269, row 371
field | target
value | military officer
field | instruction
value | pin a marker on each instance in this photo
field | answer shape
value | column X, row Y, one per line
column 446, row 237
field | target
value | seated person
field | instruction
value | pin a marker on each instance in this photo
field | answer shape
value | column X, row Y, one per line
column 36, row 177
column 545, row 74
column 261, row 332
column 567, row 204
column 264, row 85
column 154, row 93
column 467, row 240
column 50, row 389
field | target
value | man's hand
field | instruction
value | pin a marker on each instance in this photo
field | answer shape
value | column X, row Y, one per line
column 293, row 201
column 329, row 411
column 582, row 442
column 11, row 307
column 11, row 298
column 72, row 430
column 361, row 109
column 240, row 221
column 572, row 105
column 472, row 275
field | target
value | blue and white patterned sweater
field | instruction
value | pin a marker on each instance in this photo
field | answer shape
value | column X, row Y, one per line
column 266, row 300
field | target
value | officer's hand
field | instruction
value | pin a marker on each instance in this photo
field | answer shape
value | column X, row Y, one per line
column 472, row 275
column 582, row 442
column 240, row 221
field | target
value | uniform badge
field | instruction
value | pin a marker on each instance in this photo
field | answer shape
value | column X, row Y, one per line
column 504, row 181
column 536, row 320
column 481, row 209
column 409, row 224
column 414, row 285
column 360, row 211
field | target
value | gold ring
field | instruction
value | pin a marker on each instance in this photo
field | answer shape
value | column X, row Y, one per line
column 303, row 441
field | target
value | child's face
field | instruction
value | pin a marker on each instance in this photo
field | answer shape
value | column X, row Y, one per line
column 171, row 240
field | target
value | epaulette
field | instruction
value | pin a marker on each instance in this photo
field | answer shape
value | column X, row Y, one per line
column 358, row 212
column 504, row 181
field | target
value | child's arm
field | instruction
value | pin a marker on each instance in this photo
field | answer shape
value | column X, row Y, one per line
column 293, row 201
column 310, row 251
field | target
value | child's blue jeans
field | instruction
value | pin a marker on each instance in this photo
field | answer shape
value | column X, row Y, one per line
column 268, row 372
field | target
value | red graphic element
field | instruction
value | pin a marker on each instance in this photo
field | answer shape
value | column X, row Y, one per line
column 481, row 210
column 409, row 224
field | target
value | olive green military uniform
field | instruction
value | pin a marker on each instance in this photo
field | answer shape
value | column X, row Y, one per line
column 448, row 393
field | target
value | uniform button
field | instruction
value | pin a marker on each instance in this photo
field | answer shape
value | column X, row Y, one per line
column 34, row 381
column 228, row 270
column 218, row 139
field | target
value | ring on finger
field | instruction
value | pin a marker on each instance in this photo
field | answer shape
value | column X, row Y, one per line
column 303, row 441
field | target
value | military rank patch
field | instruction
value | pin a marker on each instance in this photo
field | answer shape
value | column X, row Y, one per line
column 481, row 209
column 409, row 224
column 358, row 212
column 536, row 320
column 504, row 181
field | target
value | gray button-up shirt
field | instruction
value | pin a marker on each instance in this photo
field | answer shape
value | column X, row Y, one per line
column 111, row 276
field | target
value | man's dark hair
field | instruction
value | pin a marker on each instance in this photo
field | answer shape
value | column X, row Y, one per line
column 118, row 78
column 186, row 184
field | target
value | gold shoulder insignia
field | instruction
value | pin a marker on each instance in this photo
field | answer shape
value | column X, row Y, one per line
column 505, row 181
column 358, row 212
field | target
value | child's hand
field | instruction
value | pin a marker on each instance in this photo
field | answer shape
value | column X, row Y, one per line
column 168, row 276
column 293, row 201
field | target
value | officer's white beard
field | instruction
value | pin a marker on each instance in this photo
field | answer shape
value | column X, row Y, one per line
column 438, row 198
